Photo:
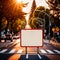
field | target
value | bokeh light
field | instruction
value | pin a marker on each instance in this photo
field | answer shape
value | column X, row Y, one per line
column 18, row 1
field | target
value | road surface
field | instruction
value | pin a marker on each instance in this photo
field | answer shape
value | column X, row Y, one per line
column 13, row 51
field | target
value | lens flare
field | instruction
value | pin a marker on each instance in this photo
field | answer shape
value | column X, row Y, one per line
column 18, row 1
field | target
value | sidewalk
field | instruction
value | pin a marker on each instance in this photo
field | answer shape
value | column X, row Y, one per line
column 56, row 44
column 53, row 43
column 5, row 44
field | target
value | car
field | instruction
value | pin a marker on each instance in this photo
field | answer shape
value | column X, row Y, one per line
column 16, row 37
column 55, row 42
column 8, row 36
column 2, row 36
column 58, row 39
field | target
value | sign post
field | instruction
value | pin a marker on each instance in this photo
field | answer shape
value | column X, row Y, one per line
column 32, row 38
column 26, row 53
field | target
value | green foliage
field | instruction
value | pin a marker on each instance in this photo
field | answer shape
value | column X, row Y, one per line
column 18, row 25
column 3, row 23
column 14, row 16
column 38, row 13
column 54, row 6
column 11, row 9
column 37, row 20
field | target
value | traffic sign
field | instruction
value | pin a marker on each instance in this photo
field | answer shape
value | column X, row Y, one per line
column 32, row 38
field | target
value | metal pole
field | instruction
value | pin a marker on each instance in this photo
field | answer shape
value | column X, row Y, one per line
column 44, row 25
column 26, row 50
column 37, row 50
column 44, row 21
column 49, row 28
column 26, row 53
column 43, row 18
column 49, row 24
column 38, row 53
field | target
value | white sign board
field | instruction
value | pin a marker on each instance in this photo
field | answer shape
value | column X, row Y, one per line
column 31, row 38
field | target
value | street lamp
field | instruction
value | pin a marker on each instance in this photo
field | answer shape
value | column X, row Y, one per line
column 49, row 23
column 44, row 21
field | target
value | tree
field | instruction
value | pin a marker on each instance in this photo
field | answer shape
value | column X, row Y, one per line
column 18, row 25
column 37, row 21
column 3, row 23
column 11, row 10
column 33, row 7
column 55, row 10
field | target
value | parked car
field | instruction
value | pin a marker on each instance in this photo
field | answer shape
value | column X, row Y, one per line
column 16, row 36
column 58, row 39
column 8, row 36
column 2, row 37
column 55, row 42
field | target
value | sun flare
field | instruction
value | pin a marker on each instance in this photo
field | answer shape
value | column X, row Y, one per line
column 38, row 3
column 18, row 1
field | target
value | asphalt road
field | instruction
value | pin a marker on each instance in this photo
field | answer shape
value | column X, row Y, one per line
column 13, row 51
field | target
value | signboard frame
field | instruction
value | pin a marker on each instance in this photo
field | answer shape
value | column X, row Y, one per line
column 30, row 46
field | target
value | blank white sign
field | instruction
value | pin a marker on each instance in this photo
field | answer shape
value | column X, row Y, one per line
column 31, row 37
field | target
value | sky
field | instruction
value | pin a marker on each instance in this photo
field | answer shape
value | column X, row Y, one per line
column 38, row 3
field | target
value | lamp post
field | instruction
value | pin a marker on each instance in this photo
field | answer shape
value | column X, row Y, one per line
column 49, row 23
column 44, row 21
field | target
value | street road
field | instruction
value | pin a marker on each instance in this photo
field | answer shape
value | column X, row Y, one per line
column 13, row 51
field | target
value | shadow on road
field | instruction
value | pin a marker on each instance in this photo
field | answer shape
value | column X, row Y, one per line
column 5, row 56
column 33, row 57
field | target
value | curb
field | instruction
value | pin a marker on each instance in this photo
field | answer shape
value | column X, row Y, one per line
column 55, row 44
